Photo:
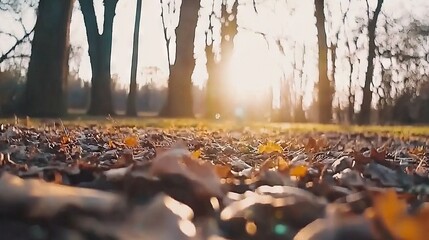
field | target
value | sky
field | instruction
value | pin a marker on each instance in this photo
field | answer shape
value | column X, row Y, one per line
column 257, row 63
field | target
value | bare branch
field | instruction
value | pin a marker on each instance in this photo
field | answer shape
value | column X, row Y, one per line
column 167, row 39
column 10, row 35
column 254, row 6
column 20, row 41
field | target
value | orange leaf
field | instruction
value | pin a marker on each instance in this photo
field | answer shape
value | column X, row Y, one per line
column 65, row 139
column 298, row 171
column 392, row 211
column 223, row 171
column 131, row 141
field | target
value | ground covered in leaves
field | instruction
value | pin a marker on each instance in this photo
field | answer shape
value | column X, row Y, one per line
column 192, row 182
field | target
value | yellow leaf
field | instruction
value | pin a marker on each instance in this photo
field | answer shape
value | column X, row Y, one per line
column 270, row 147
column 131, row 141
column 298, row 171
column 196, row 154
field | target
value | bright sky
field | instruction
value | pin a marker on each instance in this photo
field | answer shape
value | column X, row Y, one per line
column 257, row 64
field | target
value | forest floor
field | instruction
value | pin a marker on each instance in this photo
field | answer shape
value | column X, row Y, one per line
column 150, row 178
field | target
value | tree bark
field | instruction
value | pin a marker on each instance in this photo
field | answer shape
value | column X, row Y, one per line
column 45, row 93
column 132, row 95
column 100, row 51
column 324, row 85
column 365, row 111
column 179, row 98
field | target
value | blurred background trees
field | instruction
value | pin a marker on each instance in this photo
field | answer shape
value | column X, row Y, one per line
column 324, row 61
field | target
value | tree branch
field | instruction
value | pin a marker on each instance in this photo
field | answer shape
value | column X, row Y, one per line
column 20, row 41
column 167, row 40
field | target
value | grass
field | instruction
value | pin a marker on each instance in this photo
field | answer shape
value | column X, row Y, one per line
column 149, row 120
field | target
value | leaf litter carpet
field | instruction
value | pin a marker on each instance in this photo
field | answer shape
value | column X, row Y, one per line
column 123, row 182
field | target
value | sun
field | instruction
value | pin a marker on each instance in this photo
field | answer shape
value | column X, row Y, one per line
column 252, row 73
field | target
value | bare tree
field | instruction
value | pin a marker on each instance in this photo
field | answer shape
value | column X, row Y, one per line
column 132, row 95
column 324, row 85
column 48, row 69
column 365, row 110
column 100, row 51
column 179, row 99
column 216, row 96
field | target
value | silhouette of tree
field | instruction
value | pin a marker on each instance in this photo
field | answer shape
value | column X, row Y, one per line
column 100, row 51
column 179, row 99
column 324, row 85
column 365, row 109
column 216, row 91
column 132, row 95
column 48, row 69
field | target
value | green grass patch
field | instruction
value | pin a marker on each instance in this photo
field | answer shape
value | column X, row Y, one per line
column 150, row 121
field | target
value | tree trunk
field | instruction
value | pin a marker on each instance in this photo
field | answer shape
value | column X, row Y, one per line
column 100, row 51
column 333, row 63
column 365, row 109
column 179, row 98
column 324, row 85
column 45, row 93
column 132, row 95
column 217, row 95
column 213, row 105
column 351, row 98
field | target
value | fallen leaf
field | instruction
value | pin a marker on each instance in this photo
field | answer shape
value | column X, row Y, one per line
column 311, row 145
column 280, row 163
column 298, row 171
column 196, row 154
column 378, row 156
column 270, row 147
column 43, row 199
column 223, row 171
column 360, row 158
column 131, row 141
column 179, row 161
column 392, row 211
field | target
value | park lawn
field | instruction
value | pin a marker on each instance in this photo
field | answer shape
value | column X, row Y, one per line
column 150, row 120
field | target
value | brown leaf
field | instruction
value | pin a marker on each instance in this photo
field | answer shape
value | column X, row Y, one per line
column 179, row 161
column 311, row 145
column 378, row 156
column 360, row 158
column 43, row 199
